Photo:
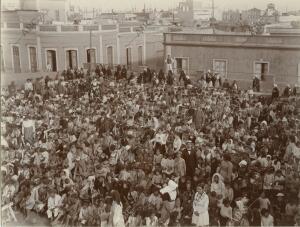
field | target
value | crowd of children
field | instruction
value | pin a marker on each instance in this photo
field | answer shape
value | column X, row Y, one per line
column 92, row 150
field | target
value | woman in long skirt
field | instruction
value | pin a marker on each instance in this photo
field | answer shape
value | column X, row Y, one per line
column 200, row 208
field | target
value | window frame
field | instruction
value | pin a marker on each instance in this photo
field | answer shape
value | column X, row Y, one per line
column 12, row 56
column 46, row 58
column 77, row 56
column 187, row 72
column 96, row 55
column 36, row 56
column 131, row 57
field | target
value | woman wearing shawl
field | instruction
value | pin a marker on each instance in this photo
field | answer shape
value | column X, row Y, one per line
column 200, row 208
column 218, row 186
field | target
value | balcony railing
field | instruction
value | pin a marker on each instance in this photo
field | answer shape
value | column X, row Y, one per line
column 69, row 28
column 48, row 28
column 125, row 29
column 78, row 28
column 109, row 27
column 90, row 28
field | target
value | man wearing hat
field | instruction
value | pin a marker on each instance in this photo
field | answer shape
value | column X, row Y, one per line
column 190, row 159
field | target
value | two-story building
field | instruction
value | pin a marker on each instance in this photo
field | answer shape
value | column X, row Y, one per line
column 28, row 46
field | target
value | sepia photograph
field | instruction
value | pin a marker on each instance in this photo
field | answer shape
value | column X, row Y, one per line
column 152, row 113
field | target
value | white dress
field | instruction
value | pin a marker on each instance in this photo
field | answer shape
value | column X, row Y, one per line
column 200, row 205
column 117, row 215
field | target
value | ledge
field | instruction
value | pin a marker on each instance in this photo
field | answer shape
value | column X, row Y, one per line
column 234, row 45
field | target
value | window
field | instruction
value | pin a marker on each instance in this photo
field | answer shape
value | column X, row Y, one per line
column 71, row 59
column 261, row 69
column 91, row 55
column 2, row 60
column 128, row 58
column 32, row 59
column 110, row 61
column 220, row 67
column 51, row 61
column 16, row 59
column 181, row 64
column 140, row 55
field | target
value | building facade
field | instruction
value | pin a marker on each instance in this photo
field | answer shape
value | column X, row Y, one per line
column 59, row 47
column 231, row 16
column 237, row 57
column 193, row 12
column 251, row 16
column 270, row 15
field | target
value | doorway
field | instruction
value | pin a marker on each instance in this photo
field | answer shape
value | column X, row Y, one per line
column 91, row 56
column 33, row 59
column 261, row 70
column 128, row 58
column 182, row 64
column 110, row 61
column 71, row 59
column 140, row 55
column 51, row 60
column 16, row 59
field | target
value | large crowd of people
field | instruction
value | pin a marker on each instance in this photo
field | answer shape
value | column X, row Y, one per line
column 112, row 148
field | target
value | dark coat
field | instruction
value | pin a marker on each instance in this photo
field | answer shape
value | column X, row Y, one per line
column 190, row 162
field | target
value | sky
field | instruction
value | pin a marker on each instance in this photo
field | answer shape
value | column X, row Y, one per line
column 117, row 5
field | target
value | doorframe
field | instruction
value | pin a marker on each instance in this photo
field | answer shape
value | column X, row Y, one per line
column 29, row 59
column 67, row 49
column 96, row 54
column 54, row 49
column 261, row 62
column 131, row 57
column 188, row 64
column 226, row 62
column 12, row 56
column 112, row 47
